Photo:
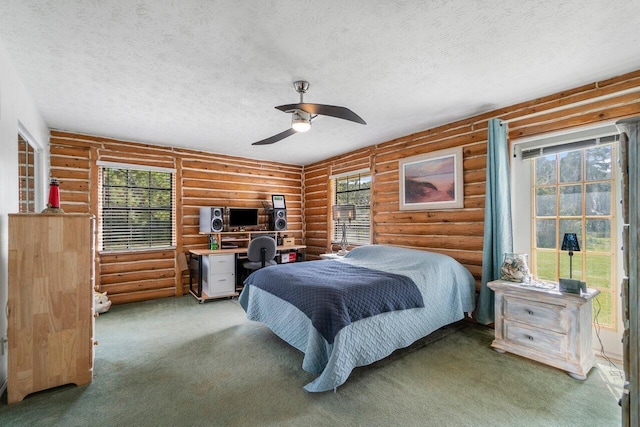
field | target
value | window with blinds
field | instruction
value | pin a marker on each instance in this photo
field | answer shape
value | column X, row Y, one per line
column 354, row 189
column 137, row 208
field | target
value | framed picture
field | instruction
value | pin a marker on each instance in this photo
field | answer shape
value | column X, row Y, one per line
column 432, row 181
column 278, row 201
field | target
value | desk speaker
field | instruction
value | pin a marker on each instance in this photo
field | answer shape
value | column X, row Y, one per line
column 279, row 220
column 211, row 219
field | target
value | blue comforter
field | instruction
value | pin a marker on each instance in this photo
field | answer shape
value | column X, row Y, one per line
column 447, row 289
column 334, row 294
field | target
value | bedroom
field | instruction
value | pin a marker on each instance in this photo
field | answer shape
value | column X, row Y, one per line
column 239, row 179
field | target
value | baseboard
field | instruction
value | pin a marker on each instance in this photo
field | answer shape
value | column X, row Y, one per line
column 615, row 358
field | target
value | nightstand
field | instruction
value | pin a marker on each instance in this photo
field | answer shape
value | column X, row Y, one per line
column 544, row 325
column 332, row 255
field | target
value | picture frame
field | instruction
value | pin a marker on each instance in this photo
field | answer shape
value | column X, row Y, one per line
column 432, row 181
column 278, row 202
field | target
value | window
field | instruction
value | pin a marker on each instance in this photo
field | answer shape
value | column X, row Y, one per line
column 573, row 192
column 355, row 189
column 26, row 178
column 136, row 207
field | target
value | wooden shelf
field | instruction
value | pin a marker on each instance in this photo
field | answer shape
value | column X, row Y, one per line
column 242, row 238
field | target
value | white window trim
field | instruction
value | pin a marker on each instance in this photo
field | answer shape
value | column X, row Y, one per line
column 334, row 240
column 521, row 208
column 355, row 172
column 116, row 165
column 174, row 225
column 40, row 169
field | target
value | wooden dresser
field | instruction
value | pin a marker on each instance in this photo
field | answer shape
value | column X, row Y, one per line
column 50, row 302
column 544, row 325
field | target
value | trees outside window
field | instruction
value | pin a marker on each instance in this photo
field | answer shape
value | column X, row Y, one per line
column 136, row 209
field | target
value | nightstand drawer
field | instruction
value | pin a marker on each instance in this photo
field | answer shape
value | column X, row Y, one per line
column 546, row 316
column 545, row 325
column 548, row 342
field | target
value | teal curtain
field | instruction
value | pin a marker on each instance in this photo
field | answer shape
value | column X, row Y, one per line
column 498, row 237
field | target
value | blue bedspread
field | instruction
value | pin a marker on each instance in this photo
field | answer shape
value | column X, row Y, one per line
column 334, row 294
column 447, row 288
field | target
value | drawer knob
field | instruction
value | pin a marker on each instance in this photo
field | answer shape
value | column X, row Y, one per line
column 530, row 312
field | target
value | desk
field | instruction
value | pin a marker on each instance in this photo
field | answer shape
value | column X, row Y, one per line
column 228, row 278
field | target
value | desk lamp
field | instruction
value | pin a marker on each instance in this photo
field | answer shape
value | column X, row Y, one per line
column 570, row 243
column 344, row 213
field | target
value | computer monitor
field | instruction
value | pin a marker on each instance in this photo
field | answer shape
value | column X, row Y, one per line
column 243, row 217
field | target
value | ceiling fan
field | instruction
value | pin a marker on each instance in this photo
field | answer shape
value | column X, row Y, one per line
column 303, row 113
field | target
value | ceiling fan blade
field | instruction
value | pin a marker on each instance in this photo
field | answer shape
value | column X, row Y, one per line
column 276, row 138
column 324, row 110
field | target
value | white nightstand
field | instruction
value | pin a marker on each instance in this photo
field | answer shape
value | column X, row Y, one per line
column 544, row 325
column 332, row 255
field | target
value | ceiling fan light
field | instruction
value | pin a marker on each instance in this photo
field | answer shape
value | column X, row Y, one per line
column 301, row 121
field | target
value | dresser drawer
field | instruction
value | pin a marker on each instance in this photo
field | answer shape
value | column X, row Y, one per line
column 222, row 264
column 547, row 316
column 548, row 342
column 220, row 284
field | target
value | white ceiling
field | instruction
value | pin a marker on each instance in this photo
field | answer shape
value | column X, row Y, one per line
column 207, row 74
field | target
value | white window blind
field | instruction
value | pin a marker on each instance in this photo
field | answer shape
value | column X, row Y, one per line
column 570, row 146
column 137, row 207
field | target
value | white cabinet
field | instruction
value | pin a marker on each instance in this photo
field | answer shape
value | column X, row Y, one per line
column 219, row 275
column 544, row 325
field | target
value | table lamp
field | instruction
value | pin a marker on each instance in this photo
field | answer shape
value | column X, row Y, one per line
column 570, row 243
column 344, row 213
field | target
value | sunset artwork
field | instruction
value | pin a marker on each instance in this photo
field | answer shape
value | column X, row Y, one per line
column 431, row 181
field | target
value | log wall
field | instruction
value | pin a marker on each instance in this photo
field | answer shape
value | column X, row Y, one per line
column 456, row 232
column 206, row 179
column 202, row 179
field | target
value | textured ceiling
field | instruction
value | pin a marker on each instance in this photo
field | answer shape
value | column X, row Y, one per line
column 207, row 74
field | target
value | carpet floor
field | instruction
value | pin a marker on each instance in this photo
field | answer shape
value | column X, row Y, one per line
column 174, row 362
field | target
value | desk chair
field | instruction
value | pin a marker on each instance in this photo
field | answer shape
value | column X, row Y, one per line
column 261, row 253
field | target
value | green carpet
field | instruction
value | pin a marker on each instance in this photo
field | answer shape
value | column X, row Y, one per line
column 174, row 362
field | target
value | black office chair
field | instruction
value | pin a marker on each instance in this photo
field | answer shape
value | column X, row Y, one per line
column 261, row 253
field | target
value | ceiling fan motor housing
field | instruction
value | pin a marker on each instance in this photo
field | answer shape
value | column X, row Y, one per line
column 301, row 121
column 301, row 86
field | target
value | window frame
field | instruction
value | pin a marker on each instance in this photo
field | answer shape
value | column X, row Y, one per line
column 39, row 170
column 102, row 165
column 584, row 218
column 26, row 176
column 335, row 229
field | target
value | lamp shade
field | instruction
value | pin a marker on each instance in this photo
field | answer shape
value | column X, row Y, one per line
column 344, row 212
column 570, row 243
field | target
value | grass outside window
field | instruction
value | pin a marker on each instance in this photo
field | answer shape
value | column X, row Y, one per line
column 573, row 193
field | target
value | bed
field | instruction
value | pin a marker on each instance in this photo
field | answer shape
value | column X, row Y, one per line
column 446, row 290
